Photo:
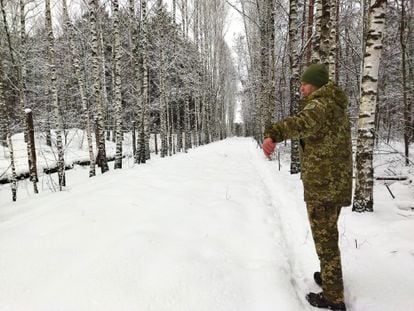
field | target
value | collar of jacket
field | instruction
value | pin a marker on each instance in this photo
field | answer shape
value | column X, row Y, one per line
column 321, row 91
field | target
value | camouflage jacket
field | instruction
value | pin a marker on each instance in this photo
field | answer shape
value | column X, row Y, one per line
column 325, row 145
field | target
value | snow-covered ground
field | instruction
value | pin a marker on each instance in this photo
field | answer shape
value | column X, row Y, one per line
column 76, row 150
column 218, row 228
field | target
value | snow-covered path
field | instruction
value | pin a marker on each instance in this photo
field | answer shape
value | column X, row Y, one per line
column 197, row 231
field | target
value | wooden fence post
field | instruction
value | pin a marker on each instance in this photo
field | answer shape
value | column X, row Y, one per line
column 97, row 139
column 134, row 140
column 156, row 142
column 31, row 149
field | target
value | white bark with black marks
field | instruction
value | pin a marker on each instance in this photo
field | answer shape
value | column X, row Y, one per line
column 363, row 196
column 117, row 84
column 4, row 119
column 101, row 157
column 294, row 79
column 81, row 84
column 55, row 98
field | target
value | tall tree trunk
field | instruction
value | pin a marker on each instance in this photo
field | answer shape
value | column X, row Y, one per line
column 294, row 80
column 197, row 114
column 363, row 197
column 187, row 122
column 311, row 9
column 101, row 157
column 55, row 98
column 333, row 41
column 81, row 84
column 407, row 103
column 5, row 128
column 321, row 37
column 22, row 52
column 16, row 78
column 117, row 90
column 265, row 21
column 22, row 93
column 137, row 69
column 107, row 123
column 144, row 131
column 163, row 100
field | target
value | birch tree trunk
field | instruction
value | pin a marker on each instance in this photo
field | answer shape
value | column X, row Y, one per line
column 117, row 90
column 321, row 36
column 408, row 130
column 333, row 41
column 81, row 84
column 22, row 52
column 137, row 70
column 197, row 116
column 143, row 146
column 267, row 62
column 187, row 123
column 22, row 93
column 163, row 100
column 294, row 80
column 4, row 115
column 363, row 197
column 101, row 157
column 104, row 94
column 311, row 9
column 16, row 79
column 55, row 98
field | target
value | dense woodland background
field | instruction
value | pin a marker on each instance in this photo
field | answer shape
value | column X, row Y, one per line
column 164, row 67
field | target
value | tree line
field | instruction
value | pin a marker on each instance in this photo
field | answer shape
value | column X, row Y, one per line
column 107, row 68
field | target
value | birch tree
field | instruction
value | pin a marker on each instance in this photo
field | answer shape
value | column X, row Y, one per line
column 22, row 92
column 334, row 41
column 4, row 116
column 322, row 32
column 294, row 80
column 101, row 158
column 117, row 79
column 408, row 126
column 55, row 97
column 143, row 139
column 137, row 73
column 266, row 61
column 363, row 196
column 162, row 96
column 70, row 30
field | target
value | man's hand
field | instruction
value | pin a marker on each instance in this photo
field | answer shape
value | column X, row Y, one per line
column 268, row 147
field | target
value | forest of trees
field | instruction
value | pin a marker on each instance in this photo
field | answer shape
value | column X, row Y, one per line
column 110, row 68
column 164, row 67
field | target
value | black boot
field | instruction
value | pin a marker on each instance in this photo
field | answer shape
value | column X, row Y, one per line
column 319, row 301
column 318, row 279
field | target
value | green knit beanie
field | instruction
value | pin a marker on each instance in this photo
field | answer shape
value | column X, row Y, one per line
column 316, row 74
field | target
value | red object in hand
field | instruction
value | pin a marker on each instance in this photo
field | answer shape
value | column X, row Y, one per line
column 268, row 147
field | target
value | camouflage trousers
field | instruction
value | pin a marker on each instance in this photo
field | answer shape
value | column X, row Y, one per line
column 323, row 220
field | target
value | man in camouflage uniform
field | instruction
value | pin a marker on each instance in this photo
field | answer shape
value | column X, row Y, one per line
column 323, row 128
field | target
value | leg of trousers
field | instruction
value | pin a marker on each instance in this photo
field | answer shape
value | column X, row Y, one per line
column 323, row 220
